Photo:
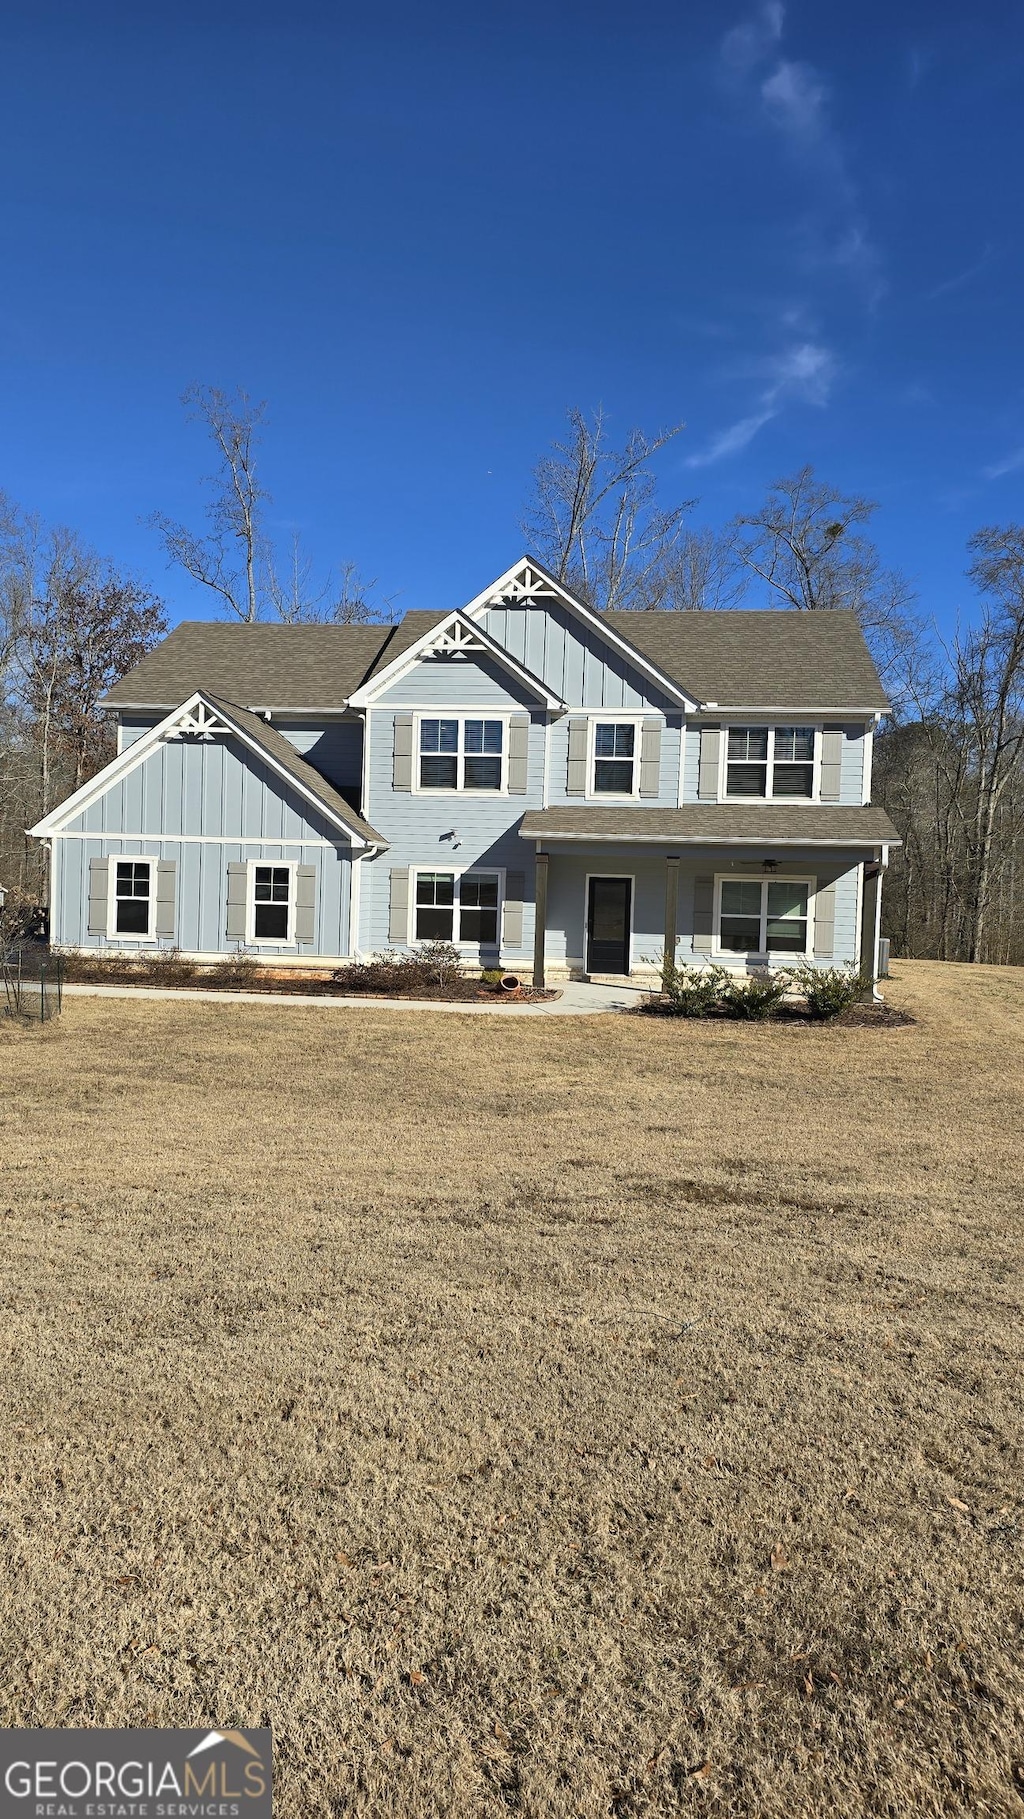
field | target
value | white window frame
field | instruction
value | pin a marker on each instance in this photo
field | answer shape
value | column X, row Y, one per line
column 626, row 718
column 115, row 860
column 251, row 937
column 458, row 872
column 762, row 955
column 461, row 714
column 741, row 726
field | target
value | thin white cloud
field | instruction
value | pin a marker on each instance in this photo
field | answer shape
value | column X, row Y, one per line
column 794, row 99
column 803, row 374
column 1010, row 464
column 960, row 279
column 750, row 42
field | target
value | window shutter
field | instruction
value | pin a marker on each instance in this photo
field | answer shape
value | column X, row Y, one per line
column 518, row 753
column 710, row 756
column 305, row 901
column 650, row 758
column 99, row 881
column 398, row 928
column 238, row 876
column 825, row 922
column 402, row 774
column 831, row 763
column 512, row 917
column 703, row 914
column 576, row 775
column 166, row 897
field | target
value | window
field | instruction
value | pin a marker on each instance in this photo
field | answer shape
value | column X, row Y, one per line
column 457, row 907
column 133, row 897
column 614, row 758
column 775, row 761
column 458, row 754
column 763, row 917
column 272, row 902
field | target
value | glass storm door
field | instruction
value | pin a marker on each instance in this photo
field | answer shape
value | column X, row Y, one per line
column 608, row 907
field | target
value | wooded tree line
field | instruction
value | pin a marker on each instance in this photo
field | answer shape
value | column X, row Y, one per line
column 948, row 762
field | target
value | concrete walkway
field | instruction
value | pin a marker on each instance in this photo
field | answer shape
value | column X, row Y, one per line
column 577, row 999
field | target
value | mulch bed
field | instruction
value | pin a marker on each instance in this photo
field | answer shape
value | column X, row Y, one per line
column 319, row 985
column 858, row 1016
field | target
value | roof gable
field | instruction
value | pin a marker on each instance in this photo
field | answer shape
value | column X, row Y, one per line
column 453, row 637
column 205, row 716
column 527, row 583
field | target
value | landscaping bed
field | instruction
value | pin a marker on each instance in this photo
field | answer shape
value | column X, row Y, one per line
column 433, row 973
column 807, row 995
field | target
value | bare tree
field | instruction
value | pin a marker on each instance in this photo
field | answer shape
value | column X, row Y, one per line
column 342, row 599
column 807, row 545
column 989, row 698
column 595, row 520
column 703, row 573
column 230, row 556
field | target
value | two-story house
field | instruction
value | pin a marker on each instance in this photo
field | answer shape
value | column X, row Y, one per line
column 543, row 785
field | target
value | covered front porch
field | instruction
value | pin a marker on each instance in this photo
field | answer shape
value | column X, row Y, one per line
column 612, row 907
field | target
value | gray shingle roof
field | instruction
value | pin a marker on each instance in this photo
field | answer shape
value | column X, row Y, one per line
column 283, row 752
column 275, row 666
column 803, row 824
column 763, row 659
column 760, row 659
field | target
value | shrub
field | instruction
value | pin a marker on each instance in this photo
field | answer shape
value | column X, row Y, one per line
column 169, row 967
column 690, row 992
column 830, row 990
column 436, row 964
column 754, row 996
column 491, row 975
column 235, row 973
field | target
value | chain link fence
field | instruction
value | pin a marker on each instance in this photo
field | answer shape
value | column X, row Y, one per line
column 31, row 984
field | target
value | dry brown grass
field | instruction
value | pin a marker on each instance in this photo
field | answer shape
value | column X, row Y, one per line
column 574, row 1418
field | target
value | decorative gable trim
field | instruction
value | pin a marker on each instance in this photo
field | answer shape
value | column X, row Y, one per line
column 455, row 636
column 527, row 580
column 200, row 717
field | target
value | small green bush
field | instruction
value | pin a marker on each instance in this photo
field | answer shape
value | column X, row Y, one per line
column 754, row 996
column 830, row 990
column 491, row 975
column 691, row 992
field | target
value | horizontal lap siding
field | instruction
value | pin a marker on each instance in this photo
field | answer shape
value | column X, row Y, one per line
column 413, row 825
column 462, row 682
column 851, row 776
column 668, row 788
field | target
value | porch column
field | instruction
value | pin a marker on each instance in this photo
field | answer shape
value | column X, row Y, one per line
column 870, row 914
column 671, row 906
column 540, row 924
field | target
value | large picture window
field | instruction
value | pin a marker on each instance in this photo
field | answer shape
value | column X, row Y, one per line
column 461, row 754
column 459, row 907
column 614, row 758
column 763, row 916
column 133, row 897
column 272, row 902
column 770, row 761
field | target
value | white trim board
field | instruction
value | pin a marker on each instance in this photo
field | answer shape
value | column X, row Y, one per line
column 453, row 635
column 140, row 749
column 316, row 842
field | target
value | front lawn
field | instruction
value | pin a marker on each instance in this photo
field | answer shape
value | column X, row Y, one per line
column 579, row 1417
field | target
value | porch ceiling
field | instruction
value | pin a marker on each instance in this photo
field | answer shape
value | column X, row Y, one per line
column 716, row 823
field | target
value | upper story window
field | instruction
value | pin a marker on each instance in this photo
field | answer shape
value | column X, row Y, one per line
column 615, row 743
column 461, row 754
column 770, row 761
column 133, row 904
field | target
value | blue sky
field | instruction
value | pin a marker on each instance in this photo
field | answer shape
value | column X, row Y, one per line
column 421, row 234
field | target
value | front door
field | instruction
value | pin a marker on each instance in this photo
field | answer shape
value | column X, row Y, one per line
column 609, row 902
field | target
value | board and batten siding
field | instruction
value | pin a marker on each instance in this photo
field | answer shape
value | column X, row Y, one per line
column 231, row 807
column 574, row 662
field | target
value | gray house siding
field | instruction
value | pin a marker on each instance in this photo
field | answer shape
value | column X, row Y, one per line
column 332, row 747
column 668, row 780
column 853, row 756
column 567, row 895
column 576, row 664
column 203, row 804
column 463, row 682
